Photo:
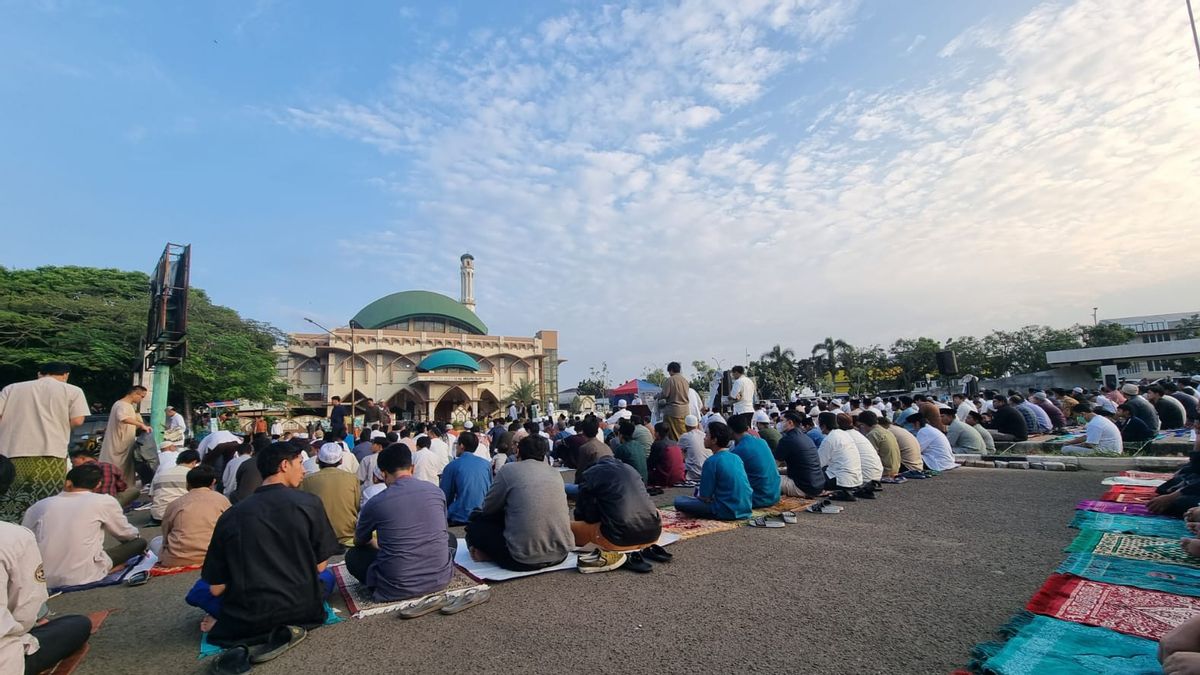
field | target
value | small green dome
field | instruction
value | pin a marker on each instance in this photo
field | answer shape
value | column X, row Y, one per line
column 448, row 358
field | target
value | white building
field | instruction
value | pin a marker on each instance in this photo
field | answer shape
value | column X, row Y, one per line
column 1152, row 329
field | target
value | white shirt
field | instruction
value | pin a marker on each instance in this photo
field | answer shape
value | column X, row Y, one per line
column 935, row 449
column 637, row 400
column 1107, row 404
column 694, row 453
column 428, row 465
column 371, row 491
column 22, row 595
column 35, row 417
column 441, row 449
column 693, row 403
column 229, row 476
column 276, row 429
column 868, row 456
column 1104, row 435
column 621, row 414
column 70, row 528
column 166, row 487
column 964, row 408
column 741, row 392
column 366, row 470
column 176, row 421
column 840, row 457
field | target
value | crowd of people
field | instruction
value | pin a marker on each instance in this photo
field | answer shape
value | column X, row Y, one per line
column 386, row 497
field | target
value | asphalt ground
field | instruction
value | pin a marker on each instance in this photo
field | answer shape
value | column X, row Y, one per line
column 905, row 584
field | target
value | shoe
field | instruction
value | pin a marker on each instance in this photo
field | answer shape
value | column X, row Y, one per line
column 282, row 639
column 233, row 661
column 601, row 561
column 635, row 563
column 657, row 554
column 864, row 493
column 844, row 496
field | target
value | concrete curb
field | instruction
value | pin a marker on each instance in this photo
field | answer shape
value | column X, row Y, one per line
column 1069, row 463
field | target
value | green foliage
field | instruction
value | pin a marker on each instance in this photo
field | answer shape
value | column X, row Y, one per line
column 596, row 383
column 1106, row 335
column 703, row 378
column 656, row 377
column 916, row 359
column 94, row 319
column 522, row 391
column 774, row 372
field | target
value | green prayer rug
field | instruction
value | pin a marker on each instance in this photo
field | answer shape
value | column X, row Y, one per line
column 1039, row 644
column 1134, row 546
column 1117, row 522
column 1177, row 579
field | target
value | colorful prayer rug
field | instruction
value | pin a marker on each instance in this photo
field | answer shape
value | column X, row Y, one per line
column 795, row 504
column 361, row 603
column 1129, row 480
column 1147, row 474
column 1114, row 507
column 1125, row 609
column 688, row 527
column 36, row 479
column 159, row 571
column 1134, row 546
column 1115, row 522
column 1129, row 494
column 1040, row 645
column 1176, row 579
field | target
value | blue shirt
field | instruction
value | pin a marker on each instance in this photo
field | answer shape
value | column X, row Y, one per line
column 761, row 469
column 816, row 436
column 723, row 481
column 409, row 520
column 465, row 481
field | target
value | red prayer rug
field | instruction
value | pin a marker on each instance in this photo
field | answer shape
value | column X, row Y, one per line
column 159, row 571
column 69, row 664
column 1147, row 475
column 1134, row 611
column 1129, row 494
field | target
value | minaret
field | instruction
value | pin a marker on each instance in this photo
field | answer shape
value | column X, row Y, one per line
column 466, row 273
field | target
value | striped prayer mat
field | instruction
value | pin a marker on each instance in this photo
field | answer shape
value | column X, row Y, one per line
column 1125, row 609
column 1115, row 522
column 1134, row 546
column 1177, row 579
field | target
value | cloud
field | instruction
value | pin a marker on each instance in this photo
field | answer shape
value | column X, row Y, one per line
column 597, row 169
column 916, row 42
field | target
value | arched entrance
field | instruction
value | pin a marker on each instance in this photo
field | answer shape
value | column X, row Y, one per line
column 454, row 406
column 407, row 405
column 489, row 405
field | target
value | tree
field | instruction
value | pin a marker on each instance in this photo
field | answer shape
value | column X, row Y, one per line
column 95, row 318
column 916, row 359
column 703, row 378
column 1024, row 350
column 656, row 377
column 774, row 372
column 826, row 353
column 1106, row 335
column 524, row 391
column 972, row 355
column 596, row 383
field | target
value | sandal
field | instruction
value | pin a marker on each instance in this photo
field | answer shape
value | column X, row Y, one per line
column 282, row 639
column 474, row 596
column 427, row 604
column 763, row 522
column 789, row 517
column 234, row 661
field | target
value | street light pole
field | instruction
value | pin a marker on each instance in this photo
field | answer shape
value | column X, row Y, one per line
column 353, row 391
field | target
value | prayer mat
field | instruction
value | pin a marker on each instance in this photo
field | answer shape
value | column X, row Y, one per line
column 688, row 527
column 138, row 563
column 1125, row 609
column 796, row 504
column 1040, row 644
column 160, row 571
column 1115, row 522
column 361, row 603
column 1114, row 507
column 1176, row 579
column 1134, row 546
column 490, row 571
column 1128, row 480
column 72, row 661
column 208, row 649
column 36, row 479
column 1147, row 474
column 1129, row 494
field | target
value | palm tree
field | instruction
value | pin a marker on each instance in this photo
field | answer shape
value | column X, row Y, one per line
column 826, row 353
column 522, row 391
column 779, row 355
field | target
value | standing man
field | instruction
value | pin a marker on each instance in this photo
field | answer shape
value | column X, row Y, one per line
column 35, row 429
column 674, row 396
column 337, row 416
column 124, row 423
column 370, row 413
column 741, row 394
column 174, row 428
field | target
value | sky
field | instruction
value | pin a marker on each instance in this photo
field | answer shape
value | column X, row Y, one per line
column 695, row 179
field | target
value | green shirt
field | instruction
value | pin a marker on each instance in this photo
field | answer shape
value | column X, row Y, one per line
column 632, row 454
column 771, row 436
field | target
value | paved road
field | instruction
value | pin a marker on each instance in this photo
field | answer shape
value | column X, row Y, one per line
column 906, row 584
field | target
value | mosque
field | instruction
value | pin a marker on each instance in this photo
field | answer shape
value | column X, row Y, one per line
column 424, row 355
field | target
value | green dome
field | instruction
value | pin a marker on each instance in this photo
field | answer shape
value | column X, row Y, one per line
column 448, row 358
column 400, row 306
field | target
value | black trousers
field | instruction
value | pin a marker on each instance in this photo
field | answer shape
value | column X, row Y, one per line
column 486, row 533
column 59, row 638
column 359, row 558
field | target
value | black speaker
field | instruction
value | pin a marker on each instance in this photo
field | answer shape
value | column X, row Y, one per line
column 947, row 364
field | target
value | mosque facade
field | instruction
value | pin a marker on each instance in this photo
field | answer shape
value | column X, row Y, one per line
column 424, row 355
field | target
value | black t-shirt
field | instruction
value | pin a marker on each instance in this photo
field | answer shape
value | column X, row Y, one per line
column 248, row 480
column 266, row 549
column 1169, row 414
column 799, row 453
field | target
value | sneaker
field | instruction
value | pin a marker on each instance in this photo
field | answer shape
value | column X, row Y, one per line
column 601, row 561
column 636, row 563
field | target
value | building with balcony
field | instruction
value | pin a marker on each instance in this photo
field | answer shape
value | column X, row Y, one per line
column 426, row 356
column 1161, row 343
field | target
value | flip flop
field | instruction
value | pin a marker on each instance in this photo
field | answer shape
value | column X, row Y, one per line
column 475, row 596
column 282, row 639
column 789, row 517
column 234, row 661
column 894, row 481
column 430, row 603
column 763, row 522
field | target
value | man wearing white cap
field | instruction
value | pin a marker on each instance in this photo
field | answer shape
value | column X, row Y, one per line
column 1140, row 407
column 622, row 413
column 694, row 452
column 174, row 427
column 762, row 423
column 338, row 491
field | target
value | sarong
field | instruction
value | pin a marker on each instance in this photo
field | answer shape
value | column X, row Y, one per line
column 37, row 478
column 1176, row 579
column 1125, row 609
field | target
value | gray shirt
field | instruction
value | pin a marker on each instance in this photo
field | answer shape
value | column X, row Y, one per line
column 537, row 524
column 964, row 438
column 694, row 453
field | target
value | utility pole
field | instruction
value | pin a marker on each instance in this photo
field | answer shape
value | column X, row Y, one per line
column 1095, row 320
column 353, row 356
column 1192, row 25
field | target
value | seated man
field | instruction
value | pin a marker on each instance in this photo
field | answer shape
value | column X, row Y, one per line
column 935, row 447
column 1181, row 492
column 466, row 480
column 1133, row 428
column 767, row 432
column 975, row 419
column 400, row 545
column 665, row 465
column 1171, row 413
column 882, row 440
column 630, row 449
column 337, row 489
column 802, row 476
column 171, row 484
column 70, row 528
column 27, row 645
column 594, row 448
column 613, row 510
column 694, row 451
column 839, row 455
column 869, row 462
column 1102, row 435
column 724, row 492
column 188, row 522
column 112, row 481
column 1007, row 423
column 523, row 523
column 808, row 424
column 265, row 568
column 761, row 469
column 963, row 437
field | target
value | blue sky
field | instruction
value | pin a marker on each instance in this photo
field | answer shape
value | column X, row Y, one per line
column 658, row 181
